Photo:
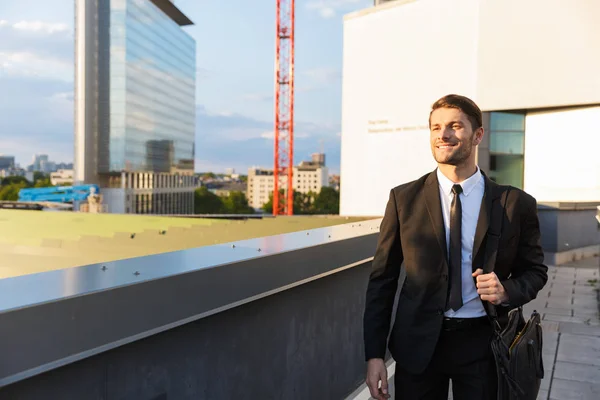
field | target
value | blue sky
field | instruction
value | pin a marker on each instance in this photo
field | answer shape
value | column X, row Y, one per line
column 235, row 58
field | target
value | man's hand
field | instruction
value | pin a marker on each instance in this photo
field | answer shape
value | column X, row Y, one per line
column 376, row 371
column 489, row 287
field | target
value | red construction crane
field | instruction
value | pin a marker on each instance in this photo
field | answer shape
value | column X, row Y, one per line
column 283, row 203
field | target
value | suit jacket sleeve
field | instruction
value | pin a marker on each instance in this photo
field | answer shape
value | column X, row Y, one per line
column 529, row 274
column 383, row 283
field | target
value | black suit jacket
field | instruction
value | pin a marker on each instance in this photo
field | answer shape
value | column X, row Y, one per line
column 412, row 235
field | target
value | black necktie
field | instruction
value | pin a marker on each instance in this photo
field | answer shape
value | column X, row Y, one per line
column 455, row 251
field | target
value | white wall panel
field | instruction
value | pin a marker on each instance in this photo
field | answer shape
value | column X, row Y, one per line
column 510, row 54
column 397, row 62
column 562, row 156
column 538, row 53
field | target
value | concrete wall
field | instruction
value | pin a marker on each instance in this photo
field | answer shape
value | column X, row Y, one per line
column 114, row 199
column 562, row 161
column 304, row 343
column 569, row 231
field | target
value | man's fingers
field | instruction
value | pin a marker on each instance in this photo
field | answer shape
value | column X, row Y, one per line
column 384, row 384
column 486, row 277
column 372, row 384
column 483, row 291
column 477, row 272
column 487, row 284
column 492, row 298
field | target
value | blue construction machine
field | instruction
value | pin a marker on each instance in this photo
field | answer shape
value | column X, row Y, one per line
column 59, row 194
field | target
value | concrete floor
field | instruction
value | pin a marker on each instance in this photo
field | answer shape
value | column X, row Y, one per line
column 571, row 322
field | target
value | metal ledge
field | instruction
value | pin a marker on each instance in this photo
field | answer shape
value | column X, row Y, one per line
column 58, row 317
column 173, row 12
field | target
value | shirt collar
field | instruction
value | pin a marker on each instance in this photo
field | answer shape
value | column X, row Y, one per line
column 467, row 185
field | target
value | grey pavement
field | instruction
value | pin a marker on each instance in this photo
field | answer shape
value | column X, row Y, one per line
column 569, row 308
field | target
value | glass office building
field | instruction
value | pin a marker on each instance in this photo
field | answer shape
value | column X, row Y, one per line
column 507, row 147
column 152, row 88
column 135, row 100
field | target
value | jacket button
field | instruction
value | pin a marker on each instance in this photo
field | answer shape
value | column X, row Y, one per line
column 445, row 277
column 440, row 312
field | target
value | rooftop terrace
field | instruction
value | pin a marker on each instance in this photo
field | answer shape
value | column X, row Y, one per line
column 34, row 241
column 209, row 308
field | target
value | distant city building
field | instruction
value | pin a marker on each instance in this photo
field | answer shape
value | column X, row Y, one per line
column 7, row 162
column 308, row 176
column 62, row 177
column 540, row 96
column 225, row 189
column 40, row 161
column 47, row 166
column 135, row 105
column 229, row 171
column 334, row 182
column 6, row 172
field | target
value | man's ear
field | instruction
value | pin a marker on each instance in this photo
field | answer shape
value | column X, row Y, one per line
column 478, row 136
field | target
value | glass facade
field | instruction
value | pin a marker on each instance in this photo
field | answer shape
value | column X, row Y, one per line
column 507, row 148
column 152, row 90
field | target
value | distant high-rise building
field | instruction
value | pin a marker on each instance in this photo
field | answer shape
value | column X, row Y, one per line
column 159, row 155
column 318, row 158
column 7, row 162
column 39, row 160
column 135, row 104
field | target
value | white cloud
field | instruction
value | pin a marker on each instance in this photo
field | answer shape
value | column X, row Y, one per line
column 268, row 135
column 322, row 75
column 3, row 22
column 329, row 8
column 39, row 26
column 24, row 63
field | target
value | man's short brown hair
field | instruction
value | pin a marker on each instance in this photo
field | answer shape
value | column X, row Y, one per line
column 462, row 103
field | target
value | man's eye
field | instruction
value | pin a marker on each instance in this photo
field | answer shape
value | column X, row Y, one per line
column 456, row 126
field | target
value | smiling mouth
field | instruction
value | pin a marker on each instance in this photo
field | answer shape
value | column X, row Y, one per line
column 445, row 146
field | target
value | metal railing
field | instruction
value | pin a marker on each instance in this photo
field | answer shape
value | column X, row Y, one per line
column 206, row 321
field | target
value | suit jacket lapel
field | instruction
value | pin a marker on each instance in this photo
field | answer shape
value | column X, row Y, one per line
column 491, row 193
column 434, row 207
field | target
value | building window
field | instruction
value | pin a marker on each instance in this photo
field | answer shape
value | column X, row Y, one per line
column 507, row 148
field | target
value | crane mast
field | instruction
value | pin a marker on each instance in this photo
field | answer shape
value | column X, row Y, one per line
column 283, row 203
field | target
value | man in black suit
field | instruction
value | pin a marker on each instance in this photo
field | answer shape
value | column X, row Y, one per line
column 436, row 228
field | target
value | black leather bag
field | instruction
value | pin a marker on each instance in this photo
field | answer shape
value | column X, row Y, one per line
column 517, row 346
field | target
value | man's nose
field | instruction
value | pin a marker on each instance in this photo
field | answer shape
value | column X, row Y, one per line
column 445, row 133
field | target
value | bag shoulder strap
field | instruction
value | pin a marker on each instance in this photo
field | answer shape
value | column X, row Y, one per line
column 492, row 243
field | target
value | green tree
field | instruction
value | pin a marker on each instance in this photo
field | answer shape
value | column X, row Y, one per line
column 208, row 175
column 11, row 180
column 268, row 206
column 38, row 175
column 11, row 192
column 302, row 203
column 43, row 182
column 328, row 201
column 237, row 203
column 206, row 202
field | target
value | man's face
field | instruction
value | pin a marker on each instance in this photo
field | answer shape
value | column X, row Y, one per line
column 451, row 135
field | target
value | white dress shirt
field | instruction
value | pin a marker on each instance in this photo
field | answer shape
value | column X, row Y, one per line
column 471, row 197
